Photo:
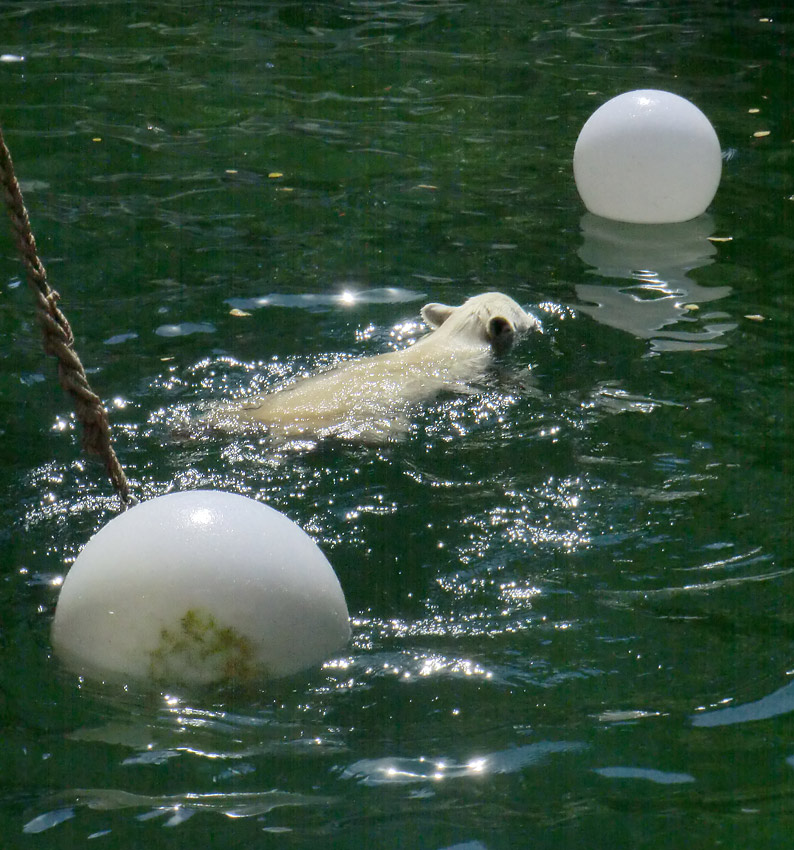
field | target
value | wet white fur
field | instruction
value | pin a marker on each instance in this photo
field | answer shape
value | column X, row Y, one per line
column 368, row 399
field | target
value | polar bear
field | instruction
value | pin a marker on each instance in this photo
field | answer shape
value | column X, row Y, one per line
column 369, row 399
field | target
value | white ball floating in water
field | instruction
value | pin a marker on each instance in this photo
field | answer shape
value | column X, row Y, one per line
column 199, row 587
column 647, row 157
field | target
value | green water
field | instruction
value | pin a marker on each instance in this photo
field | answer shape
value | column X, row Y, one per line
column 570, row 594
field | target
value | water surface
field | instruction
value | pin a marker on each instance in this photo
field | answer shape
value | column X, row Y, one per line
column 570, row 590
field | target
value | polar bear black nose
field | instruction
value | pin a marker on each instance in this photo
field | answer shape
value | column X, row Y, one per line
column 500, row 332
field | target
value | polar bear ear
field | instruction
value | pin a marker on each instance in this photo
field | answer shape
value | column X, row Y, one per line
column 436, row 314
column 500, row 332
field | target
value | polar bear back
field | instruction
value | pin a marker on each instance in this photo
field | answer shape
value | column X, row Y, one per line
column 370, row 398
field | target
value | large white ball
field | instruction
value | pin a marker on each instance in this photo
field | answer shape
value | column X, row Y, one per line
column 199, row 587
column 647, row 157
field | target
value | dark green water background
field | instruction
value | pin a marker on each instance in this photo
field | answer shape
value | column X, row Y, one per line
column 572, row 600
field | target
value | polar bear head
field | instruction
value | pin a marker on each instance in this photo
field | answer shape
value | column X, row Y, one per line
column 492, row 318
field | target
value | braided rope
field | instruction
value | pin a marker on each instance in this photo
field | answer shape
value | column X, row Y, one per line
column 57, row 334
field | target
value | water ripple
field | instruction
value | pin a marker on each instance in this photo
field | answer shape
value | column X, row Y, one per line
column 402, row 771
column 178, row 807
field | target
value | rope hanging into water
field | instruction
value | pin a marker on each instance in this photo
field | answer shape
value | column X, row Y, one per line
column 57, row 334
